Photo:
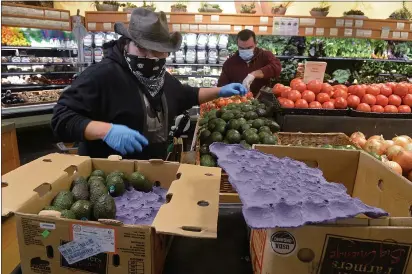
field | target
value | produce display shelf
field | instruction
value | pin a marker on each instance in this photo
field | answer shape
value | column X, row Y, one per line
column 35, row 73
column 194, row 75
column 26, row 109
column 23, row 87
column 35, row 48
column 44, row 64
column 184, row 64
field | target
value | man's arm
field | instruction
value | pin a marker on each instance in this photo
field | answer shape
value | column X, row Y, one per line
column 271, row 70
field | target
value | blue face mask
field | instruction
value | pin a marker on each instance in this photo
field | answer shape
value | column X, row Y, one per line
column 246, row 54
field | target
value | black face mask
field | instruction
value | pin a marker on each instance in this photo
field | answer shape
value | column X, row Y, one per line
column 146, row 66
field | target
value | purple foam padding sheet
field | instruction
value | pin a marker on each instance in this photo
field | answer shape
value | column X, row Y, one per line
column 282, row 192
column 139, row 208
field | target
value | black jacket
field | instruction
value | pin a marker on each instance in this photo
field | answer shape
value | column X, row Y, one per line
column 109, row 92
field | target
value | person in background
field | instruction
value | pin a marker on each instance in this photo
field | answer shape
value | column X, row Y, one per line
column 126, row 103
column 250, row 65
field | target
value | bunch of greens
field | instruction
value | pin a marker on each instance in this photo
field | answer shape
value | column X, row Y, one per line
column 370, row 71
column 289, row 69
column 341, row 75
column 275, row 44
column 316, row 47
column 323, row 7
column 348, row 47
column 402, row 14
column 353, row 12
column 380, row 48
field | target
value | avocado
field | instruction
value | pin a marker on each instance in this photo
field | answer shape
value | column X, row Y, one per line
column 251, row 115
column 204, row 136
column 68, row 214
column 261, row 105
column 55, row 208
column 270, row 140
column 104, row 208
column 261, row 112
column 263, row 134
column 233, row 136
column 82, row 209
column 116, row 186
column 225, row 141
column 247, row 108
column 117, row 173
column 240, row 115
column 248, row 132
column 245, row 144
column 211, row 126
column 98, row 172
column 99, row 178
column 207, row 160
column 224, row 109
column 79, row 180
column 252, row 138
column 204, row 149
column 265, row 129
column 96, row 183
column 258, row 123
column 216, row 137
column 95, row 193
column 274, row 127
column 81, row 191
column 221, row 128
column 63, row 200
column 254, row 102
column 140, row 183
column 219, row 113
column 203, row 121
column 245, row 127
column 212, row 114
column 227, row 116
column 234, row 124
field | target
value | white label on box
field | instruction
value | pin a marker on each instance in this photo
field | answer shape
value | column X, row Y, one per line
column 198, row 18
column 237, row 28
column 249, row 28
column 348, row 23
column 404, row 35
column 340, row 22
column 184, row 27
column 104, row 236
column 367, row 33
column 107, row 26
column 264, row 19
column 400, row 25
column 194, row 27
column 214, row 18
column 203, row 27
column 333, row 32
column 91, row 26
column 47, row 226
column 308, row 31
column 348, row 32
column 358, row 23
column 128, row 16
column 307, row 21
column 385, row 32
column 359, row 33
column 396, row 34
column 76, row 251
column 320, row 31
column 263, row 28
column 283, row 243
column 176, row 27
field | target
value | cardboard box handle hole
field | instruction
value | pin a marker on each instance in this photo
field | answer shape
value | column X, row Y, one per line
column 192, row 228
column 116, row 260
column 380, row 185
column 169, row 197
column 71, row 170
column 203, row 203
column 47, row 160
column 306, row 255
column 49, row 252
column 178, row 175
column 157, row 184
column 43, row 189
column 4, row 184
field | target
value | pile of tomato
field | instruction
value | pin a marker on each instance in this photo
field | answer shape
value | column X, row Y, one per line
column 221, row 102
column 389, row 97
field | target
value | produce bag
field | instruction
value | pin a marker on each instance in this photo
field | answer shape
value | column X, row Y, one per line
column 191, row 40
column 212, row 56
column 202, row 41
column 223, row 41
column 191, row 56
column 201, row 56
column 212, row 41
column 180, row 56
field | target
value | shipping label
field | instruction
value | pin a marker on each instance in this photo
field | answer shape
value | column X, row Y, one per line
column 344, row 255
column 106, row 237
column 77, row 251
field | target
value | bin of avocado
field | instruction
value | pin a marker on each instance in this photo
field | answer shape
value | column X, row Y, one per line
column 245, row 123
column 139, row 182
column 82, row 210
column 115, row 185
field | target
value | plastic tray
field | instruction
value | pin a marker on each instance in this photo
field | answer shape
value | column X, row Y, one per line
column 355, row 113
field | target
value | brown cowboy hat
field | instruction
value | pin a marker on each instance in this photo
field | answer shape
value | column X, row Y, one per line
column 150, row 30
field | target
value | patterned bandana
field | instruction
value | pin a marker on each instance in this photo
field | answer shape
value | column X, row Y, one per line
column 153, row 83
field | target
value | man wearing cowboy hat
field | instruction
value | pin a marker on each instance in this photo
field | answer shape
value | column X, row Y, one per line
column 126, row 103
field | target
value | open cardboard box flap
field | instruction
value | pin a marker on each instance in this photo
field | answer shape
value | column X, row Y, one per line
column 192, row 200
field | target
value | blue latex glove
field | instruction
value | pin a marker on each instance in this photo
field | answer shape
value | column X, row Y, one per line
column 232, row 89
column 125, row 140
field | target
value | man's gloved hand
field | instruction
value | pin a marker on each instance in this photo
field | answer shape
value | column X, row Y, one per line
column 248, row 81
column 232, row 89
column 125, row 140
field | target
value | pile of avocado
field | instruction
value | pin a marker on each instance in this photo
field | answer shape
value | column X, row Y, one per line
column 92, row 198
column 245, row 123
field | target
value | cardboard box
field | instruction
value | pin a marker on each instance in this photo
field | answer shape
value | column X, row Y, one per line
column 191, row 210
column 348, row 246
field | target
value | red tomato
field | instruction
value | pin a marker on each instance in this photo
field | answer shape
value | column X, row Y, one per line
column 377, row 108
column 395, row 100
column 391, row 109
column 228, row 101
column 308, row 95
column 369, row 99
column 359, row 91
column 410, row 89
column 351, row 89
column 301, row 87
column 315, row 104
column 294, row 81
column 243, row 99
column 281, row 99
column 315, row 86
column 363, row 107
column 392, row 85
column 301, row 103
column 353, row 101
column 407, row 100
column 294, row 95
column 382, row 100
column 404, row 109
column 345, row 88
column 386, row 90
column 328, row 105
column 322, row 97
column 373, row 89
column 287, row 103
column 341, row 103
column 401, row 89
column 249, row 95
column 277, row 89
column 221, row 103
column 326, row 88
column 340, row 93
column 284, row 93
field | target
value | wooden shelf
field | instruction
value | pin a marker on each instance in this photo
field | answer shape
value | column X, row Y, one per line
column 262, row 24
column 15, row 15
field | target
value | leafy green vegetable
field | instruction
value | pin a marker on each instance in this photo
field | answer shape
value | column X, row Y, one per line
column 341, row 75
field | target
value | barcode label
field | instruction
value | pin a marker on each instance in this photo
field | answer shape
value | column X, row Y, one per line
column 79, row 250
